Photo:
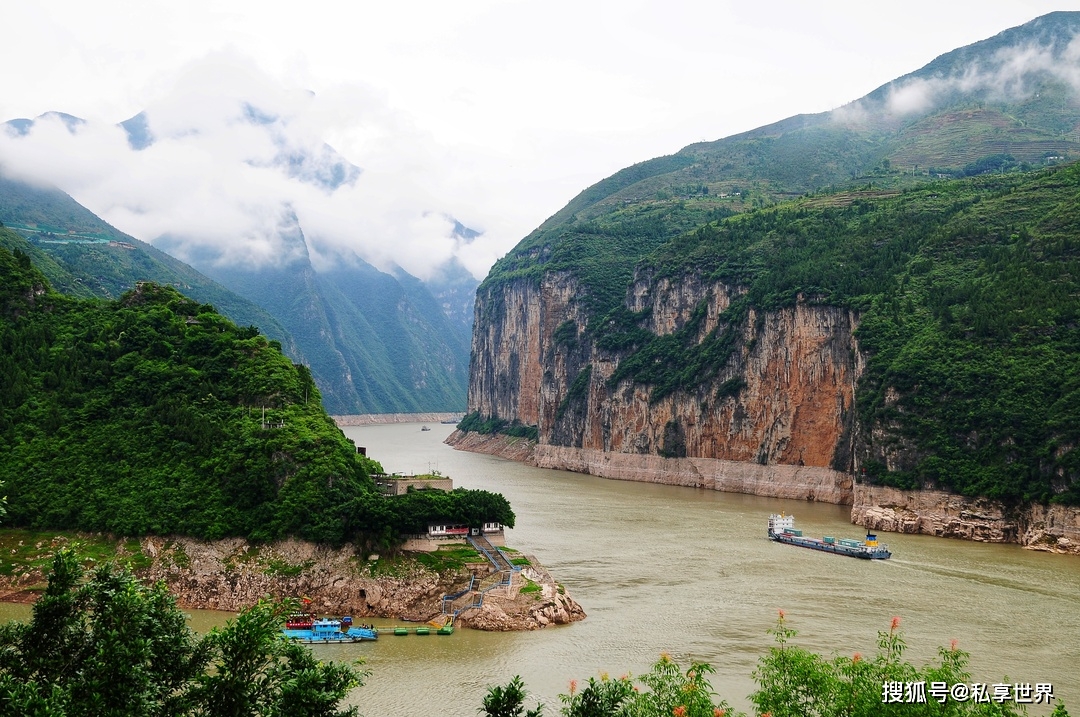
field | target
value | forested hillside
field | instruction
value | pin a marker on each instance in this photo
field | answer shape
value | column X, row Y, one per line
column 889, row 290
column 969, row 294
column 155, row 414
column 966, row 295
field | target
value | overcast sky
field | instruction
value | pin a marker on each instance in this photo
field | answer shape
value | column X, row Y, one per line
column 495, row 112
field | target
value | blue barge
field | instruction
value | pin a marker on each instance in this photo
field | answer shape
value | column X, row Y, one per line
column 782, row 530
column 328, row 632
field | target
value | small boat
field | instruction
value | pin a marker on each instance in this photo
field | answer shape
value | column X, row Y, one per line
column 782, row 530
column 424, row 428
column 328, row 631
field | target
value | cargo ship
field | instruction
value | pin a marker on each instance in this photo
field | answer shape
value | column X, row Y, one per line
column 782, row 529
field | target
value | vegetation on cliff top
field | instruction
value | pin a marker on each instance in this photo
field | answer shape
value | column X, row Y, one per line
column 155, row 414
column 969, row 124
column 969, row 296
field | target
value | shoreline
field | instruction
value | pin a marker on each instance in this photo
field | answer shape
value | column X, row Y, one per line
column 379, row 419
column 232, row 574
column 1053, row 528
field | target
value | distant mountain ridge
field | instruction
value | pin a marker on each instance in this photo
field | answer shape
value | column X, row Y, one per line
column 109, row 262
column 375, row 341
column 1014, row 93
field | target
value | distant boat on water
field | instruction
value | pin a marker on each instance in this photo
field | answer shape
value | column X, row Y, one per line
column 782, row 529
column 424, row 428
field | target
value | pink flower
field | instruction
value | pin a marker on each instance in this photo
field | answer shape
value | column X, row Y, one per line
column 573, row 687
column 952, row 644
column 895, row 624
column 781, row 614
column 717, row 712
column 679, row 711
column 857, row 657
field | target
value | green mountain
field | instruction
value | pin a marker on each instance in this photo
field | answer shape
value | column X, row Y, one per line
column 83, row 256
column 1009, row 102
column 153, row 413
column 375, row 342
column 890, row 290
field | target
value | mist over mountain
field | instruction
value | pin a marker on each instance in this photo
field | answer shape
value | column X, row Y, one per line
column 1013, row 96
column 233, row 178
column 217, row 160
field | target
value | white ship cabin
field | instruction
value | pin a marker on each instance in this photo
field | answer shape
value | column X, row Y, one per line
column 780, row 523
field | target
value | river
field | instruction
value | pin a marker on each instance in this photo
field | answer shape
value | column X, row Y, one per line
column 691, row 572
column 687, row 571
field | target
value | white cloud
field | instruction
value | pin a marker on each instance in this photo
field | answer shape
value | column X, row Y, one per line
column 218, row 182
column 1009, row 76
column 496, row 112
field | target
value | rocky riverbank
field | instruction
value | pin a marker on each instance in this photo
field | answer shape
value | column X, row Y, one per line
column 928, row 512
column 775, row 481
column 232, row 574
column 378, row 419
column 1052, row 528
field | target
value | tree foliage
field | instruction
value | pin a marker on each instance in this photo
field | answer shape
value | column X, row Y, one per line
column 155, row 414
column 111, row 647
column 792, row 682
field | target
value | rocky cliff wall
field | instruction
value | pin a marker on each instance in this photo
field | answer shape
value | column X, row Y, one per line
column 512, row 344
column 535, row 360
column 932, row 512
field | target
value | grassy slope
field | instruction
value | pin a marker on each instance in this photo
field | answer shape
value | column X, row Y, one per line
column 863, row 143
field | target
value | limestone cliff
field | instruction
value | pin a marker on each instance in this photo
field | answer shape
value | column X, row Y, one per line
column 933, row 512
column 784, row 398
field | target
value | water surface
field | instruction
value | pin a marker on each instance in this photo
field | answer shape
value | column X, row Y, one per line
column 691, row 572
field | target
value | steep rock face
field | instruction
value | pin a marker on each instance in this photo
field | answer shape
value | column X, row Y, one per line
column 512, row 337
column 933, row 512
column 534, row 360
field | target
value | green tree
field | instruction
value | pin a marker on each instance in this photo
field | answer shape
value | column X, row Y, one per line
column 670, row 691
column 794, row 682
column 112, row 647
column 109, row 646
column 508, row 701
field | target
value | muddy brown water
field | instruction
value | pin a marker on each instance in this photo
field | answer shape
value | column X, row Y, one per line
column 687, row 571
